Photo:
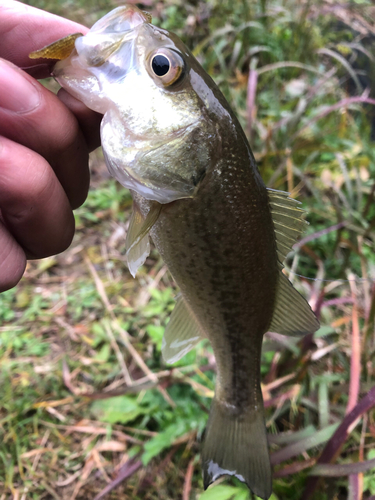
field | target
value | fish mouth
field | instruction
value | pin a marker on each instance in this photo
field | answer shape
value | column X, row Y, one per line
column 113, row 31
column 107, row 50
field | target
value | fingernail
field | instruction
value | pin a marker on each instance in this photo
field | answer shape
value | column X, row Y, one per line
column 17, row 94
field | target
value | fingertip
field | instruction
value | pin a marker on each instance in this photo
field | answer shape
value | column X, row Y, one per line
column 56, row 244
column 34, row 206
column 12, row 260
column 50, row 129
column 60, row 243
column 89, row 121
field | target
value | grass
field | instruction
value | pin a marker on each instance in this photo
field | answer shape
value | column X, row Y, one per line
column 86, row 399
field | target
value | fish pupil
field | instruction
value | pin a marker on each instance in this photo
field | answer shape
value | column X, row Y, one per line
column 160, row 65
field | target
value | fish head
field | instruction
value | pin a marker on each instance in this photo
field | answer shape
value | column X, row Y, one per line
column 160, row 130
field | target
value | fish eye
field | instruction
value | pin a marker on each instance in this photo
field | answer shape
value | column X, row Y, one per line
column 160, row 64
column 166, row 66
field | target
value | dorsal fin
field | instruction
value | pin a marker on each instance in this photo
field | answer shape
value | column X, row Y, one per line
column 181, row 334
column 287, row 219
column 137, row 240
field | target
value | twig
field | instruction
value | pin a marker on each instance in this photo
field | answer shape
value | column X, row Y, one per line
column 67, row 378
column 137, row 358
column 99, row 285
column 369, row 320
column 318, row 234
column 120, row 357
column 68, row 480
column 355, row 362
column 341, row 104
column 188, row 478
column 91, row 430
column 334, row 445
column 177, row 375
column 288, row 64
column 127, row 470
column 302, row 445
column 278, row 382
column 51, row 491
column 250, row 99
column 356, row 480
column 355, row 490
column 337, row 470
column 294, row 468
column 123, row 333
column 36, row 459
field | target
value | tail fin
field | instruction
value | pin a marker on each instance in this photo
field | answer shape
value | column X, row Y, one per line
column 237, row 445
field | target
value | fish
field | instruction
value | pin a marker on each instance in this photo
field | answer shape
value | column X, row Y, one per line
column 169, row 135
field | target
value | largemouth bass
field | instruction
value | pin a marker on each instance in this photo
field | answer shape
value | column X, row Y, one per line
column 169, row 135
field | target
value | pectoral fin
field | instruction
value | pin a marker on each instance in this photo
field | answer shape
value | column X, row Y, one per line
column 181, row 334
column 287, row 220
column 137, row 239
column 292, row 314
column 61, row 49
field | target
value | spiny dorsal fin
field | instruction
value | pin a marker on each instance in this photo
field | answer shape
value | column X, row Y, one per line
column 137, row 240
column 292, row 314
column 181, row 334
column 287, row 219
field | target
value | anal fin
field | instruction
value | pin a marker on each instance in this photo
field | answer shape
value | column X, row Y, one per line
column 181, row 334
column 292, row 313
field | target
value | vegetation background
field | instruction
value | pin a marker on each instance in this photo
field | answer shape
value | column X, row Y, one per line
column 87, row 404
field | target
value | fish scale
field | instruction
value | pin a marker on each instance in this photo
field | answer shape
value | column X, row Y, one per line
column 172, row 139
column 231, row 272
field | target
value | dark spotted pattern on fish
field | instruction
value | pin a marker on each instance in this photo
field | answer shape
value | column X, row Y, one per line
column 220, row 249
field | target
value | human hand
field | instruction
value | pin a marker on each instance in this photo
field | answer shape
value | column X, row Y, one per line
column 44, row 144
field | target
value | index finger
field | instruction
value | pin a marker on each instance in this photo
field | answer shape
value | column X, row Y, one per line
column 24, row 29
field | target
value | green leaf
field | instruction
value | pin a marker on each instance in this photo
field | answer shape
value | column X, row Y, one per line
column 156, row 333
column 155, row 446
column 222, row 492
column 121, row 409
column 104, row 353
column 324, row 331
column 162, row 441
